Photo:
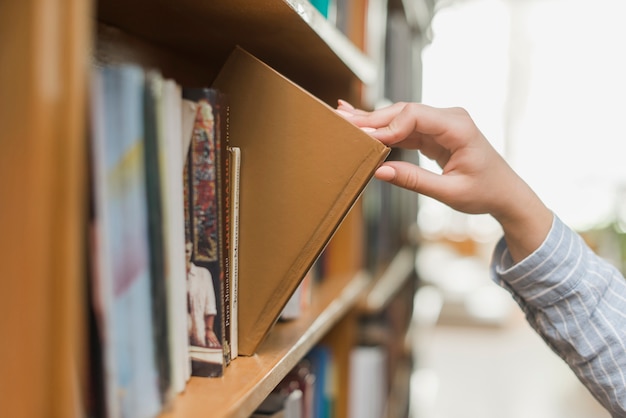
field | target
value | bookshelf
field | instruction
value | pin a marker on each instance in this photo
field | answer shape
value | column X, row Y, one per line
column 44, row 176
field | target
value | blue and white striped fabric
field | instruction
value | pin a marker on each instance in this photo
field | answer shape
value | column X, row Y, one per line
column 576, row 301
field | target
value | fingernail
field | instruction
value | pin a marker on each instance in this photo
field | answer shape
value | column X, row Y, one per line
column 385, row 173
column 344, row 113
column 344, row 103
column 368, row 129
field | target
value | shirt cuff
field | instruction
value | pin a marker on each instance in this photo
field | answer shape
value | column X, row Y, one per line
column 548, row 274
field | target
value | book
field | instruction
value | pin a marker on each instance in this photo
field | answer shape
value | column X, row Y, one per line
column 173, row 206
column 322, row 363
column 303, row 168
column 300, row 300
column 205, row 233
column 122, row 295
column 188, row 118
column 294, row 404
column 367, row 382
column 235, row 169
column 281, row 404
column 225, row 212
column 155, row 172
column 293, row 308
column 272, row 406
column 300, row 378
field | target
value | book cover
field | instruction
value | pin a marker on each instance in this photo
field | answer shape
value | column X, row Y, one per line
column 121, row 244
column 204, row 232
column 303, row 168
column 235, row 169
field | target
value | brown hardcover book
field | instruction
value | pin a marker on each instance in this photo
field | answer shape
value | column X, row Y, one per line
column 303, row 167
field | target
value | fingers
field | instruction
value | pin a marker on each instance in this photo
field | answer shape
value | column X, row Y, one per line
column 343, row 104
column 375, row 119
column 415, row 178
column 400, row 116
column 414, row 123
column 380, row 123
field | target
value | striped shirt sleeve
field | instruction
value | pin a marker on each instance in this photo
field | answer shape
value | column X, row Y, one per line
column 576, row 301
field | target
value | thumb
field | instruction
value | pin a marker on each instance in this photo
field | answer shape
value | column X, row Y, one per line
column 412, row 177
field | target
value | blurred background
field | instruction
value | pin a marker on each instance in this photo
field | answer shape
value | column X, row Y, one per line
column 544, row 80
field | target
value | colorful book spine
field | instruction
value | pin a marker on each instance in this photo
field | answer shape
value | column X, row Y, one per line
column 205, row 236
column 322, row 365
column 123, row 296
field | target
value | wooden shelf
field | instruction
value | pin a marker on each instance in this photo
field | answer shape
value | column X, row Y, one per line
column 248, row 380
column 390, row 282
column 289, row 35
column 363, row 67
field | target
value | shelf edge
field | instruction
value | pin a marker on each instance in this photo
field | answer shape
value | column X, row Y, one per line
column 396, row 274
column 318, row 328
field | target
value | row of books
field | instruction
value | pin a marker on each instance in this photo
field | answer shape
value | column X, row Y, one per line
column 311, row 389
column 164, row 246
column 364, row 375
column 348, row 16
column 177, row 290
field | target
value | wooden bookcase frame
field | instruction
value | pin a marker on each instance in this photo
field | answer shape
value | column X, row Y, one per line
column 47, row 50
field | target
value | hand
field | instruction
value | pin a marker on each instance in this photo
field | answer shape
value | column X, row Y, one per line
column 474, row 179
column 472, row 170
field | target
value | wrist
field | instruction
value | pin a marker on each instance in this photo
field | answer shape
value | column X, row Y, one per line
column 526, row 224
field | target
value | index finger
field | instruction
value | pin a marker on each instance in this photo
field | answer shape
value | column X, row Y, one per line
column 448, row 127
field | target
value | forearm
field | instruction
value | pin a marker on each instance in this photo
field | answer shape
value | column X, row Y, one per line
column 524, row 218
column 574, row 300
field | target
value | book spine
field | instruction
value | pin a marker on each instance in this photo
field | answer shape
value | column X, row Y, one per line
column 235, row 168
column 188, row 112
column 154, row 172
column 172, row 200
column 129, row 346
column 223, row 110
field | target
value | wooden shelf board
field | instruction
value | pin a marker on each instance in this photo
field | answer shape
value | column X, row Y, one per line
column 248, row 380
column 388, row 284
column 289, row 35
column 363, row 67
